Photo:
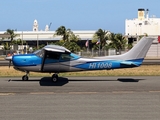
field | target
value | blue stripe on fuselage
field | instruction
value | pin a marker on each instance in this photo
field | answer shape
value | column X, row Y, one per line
column 26, row 60
column 108, row 64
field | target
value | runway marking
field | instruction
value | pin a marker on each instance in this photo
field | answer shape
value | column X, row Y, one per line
column 117, row 92
column 83, row 92
column 38, row 93
column 80, row 93
column 5, row 94
column 154, row 91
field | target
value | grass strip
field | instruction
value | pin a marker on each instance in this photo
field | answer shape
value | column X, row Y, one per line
column 144, row 70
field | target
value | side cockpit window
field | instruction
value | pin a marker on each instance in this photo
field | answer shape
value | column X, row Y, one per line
column 66, row 57
column 52, row 55
column 69, row 57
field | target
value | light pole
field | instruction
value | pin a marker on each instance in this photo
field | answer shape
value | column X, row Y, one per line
column 22, row 42
column 37, row 42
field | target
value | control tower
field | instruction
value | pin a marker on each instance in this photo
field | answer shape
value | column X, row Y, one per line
column 35, row 25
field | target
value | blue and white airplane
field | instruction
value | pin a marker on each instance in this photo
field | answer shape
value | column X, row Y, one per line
column 57, row 59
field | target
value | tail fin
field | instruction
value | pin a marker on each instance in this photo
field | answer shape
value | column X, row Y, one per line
column 140, row 50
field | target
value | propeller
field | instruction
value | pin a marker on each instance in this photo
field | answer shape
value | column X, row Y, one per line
column 10, row 61
column 9, row 58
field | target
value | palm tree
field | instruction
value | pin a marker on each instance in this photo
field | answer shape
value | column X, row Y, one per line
column 118, row 42
column 69, row 39
column 73, row 37
column 11, row 33
column 6, row 46
column 62, row 31
column 18, row 42
column 102, row 36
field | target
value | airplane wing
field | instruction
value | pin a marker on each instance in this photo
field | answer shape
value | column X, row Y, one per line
column 56, row 48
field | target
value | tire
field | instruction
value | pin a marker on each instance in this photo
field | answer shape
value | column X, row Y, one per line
column 54, row 77
column 25, row 78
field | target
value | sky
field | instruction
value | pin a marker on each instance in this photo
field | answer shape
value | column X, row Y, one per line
column 73, row 14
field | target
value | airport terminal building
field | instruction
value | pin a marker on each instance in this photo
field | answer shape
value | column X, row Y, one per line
column 43, row 37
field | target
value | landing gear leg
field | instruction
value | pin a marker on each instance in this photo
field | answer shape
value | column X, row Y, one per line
column 54, row 77
column 25, row 77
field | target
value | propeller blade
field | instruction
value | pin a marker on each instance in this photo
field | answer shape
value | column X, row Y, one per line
column 10, row 61
column 9, row 58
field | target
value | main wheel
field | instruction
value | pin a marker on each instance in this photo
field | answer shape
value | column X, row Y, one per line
column 54, row 78
column 25, row 78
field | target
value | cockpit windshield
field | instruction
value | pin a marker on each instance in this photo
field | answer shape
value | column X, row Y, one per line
column 35, row 52
column 39, row 53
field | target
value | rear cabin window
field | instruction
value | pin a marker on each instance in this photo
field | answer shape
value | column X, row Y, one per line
column 66, row 57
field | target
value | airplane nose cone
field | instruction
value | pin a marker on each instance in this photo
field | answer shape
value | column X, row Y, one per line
column 25, row 60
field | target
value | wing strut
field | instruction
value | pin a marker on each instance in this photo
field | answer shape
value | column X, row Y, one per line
column 43, row 60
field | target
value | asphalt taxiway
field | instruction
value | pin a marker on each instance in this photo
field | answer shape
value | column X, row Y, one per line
column 81, row 98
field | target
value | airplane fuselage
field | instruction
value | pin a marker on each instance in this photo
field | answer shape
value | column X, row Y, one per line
column 32, row 62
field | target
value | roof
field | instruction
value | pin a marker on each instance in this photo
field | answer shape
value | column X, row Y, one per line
column 4, row 35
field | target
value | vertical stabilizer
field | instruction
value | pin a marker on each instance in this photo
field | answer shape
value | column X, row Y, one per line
column 140, row 50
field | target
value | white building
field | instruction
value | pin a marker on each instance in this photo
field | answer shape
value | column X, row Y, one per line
column 143, row 24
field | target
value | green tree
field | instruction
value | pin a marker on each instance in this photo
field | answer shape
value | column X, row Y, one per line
column 12, row 35
column 18, row 42
column 67, row 34
column 118, row 42
column 72, row 46
column 73, row 37
column 40, row 47
column 69, row 39
column 101, row 35
column 6, row 46
column 62, row 31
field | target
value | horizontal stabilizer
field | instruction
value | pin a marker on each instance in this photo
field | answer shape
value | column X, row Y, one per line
column 128, row 63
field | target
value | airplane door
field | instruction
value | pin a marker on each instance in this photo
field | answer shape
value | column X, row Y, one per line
column 65, row 62
column 50, row 62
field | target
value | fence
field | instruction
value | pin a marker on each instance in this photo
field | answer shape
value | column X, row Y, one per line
column 154, row 51
column 96, row 53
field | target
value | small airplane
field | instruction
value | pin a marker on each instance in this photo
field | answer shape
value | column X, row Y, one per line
column 57, row 59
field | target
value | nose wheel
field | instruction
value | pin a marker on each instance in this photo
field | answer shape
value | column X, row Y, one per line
column 25, row 77
column 54, row 77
